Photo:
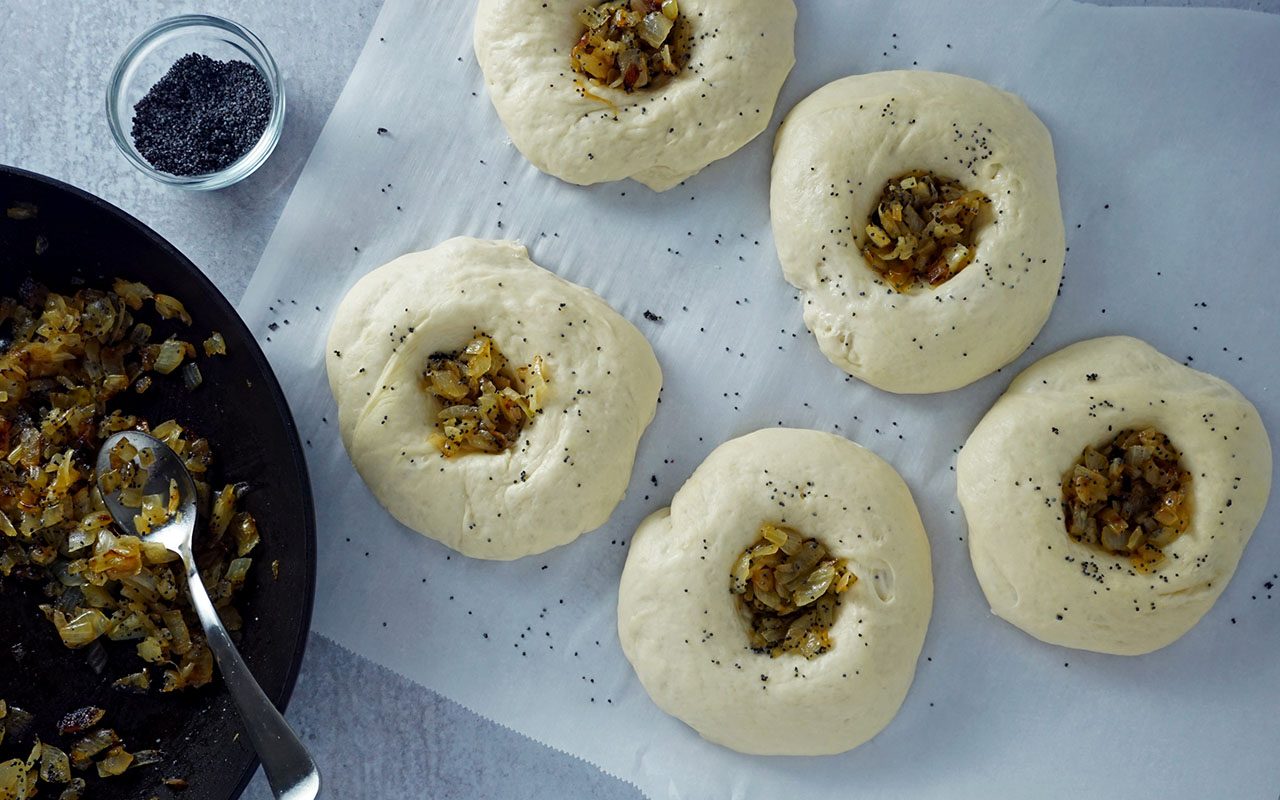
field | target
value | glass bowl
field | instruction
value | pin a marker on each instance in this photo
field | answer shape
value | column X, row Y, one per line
column 150, row 56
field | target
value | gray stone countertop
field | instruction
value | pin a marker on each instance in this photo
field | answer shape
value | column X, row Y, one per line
column 374, row 734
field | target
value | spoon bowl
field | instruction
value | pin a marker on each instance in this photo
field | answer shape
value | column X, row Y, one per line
column 178, row 532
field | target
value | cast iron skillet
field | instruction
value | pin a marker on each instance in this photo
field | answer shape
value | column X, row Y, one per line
column 243, row 413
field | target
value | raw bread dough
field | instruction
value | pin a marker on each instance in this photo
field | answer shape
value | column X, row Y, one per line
column 680, row 628
column 572, row 463
column 1009, row 478
column 722, row 99
column 832, row 158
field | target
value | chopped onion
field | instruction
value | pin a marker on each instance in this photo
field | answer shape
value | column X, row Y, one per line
column 481, row 409
column 1128, row 497
column 170, row 307
column 131, row 293
column 170, row 356
column 141, row 334
column 116, row 557
column 191, row 377
column 774, row 535
column 593, row 17
column 55, row 767
column 245, row 530
column 134, row 625
column 136, row 683
column 145, row 758
column 15, row 780
column 67, row 360
column 180, row 637
column 157, row 553
column 152, row 514
column 654, row 28
column 816, row 584
column 115, row 762
column 149, row 650
column 215, row 345
column 627, row 44
column 82, row 628
column 99, row 315
column 238, row 570
column 224, row 506
column 169, row 432
column 85, row 748
column 922, row 230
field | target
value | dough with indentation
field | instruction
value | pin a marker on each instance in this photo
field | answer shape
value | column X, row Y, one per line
column 680, row 628
column 833, row 155
column 722, row 99
column 572, row 463
column 1009, row 478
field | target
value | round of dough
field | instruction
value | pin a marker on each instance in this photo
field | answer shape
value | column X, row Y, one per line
column 572, row 462
column 679, row 624
column 833, row 156
column 1010, row 475
column 581, row 132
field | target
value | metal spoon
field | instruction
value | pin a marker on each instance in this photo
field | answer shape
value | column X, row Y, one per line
column 290, row 770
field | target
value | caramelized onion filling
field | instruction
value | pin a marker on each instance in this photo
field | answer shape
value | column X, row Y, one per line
column 1129, row 497
column 787, row 590
column 922, row 230
column 485, row 402
column 630, row 44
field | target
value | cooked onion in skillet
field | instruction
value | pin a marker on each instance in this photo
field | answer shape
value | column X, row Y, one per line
column 64, row 360
column 99, row 748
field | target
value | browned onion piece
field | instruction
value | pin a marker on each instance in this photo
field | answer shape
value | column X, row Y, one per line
column 630, row 44
column 786, row 588
column 1128, row 497
column 922, row 230
column 485, row 402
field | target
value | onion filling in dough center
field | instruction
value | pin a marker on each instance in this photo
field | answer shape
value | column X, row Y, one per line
column 631, row 44
column 922, row 230
column 1129, row 496
column 787, row 589
column 484, row 402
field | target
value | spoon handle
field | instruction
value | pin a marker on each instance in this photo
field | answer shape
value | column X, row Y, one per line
column 290, row 770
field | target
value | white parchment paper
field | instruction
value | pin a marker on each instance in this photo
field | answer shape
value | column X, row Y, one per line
column 1165, row 123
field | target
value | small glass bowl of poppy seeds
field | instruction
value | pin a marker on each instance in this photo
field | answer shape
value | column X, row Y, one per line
column 196, row 102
